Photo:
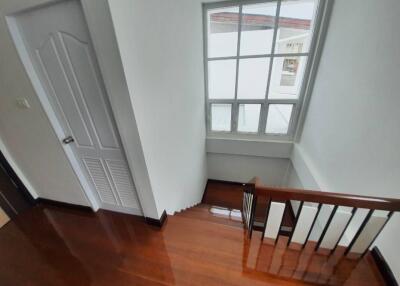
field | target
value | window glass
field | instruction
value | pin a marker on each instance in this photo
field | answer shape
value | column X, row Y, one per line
column 221, row 79
column 257, row 28
column 221, row 117
column 249, row 116
column 253, row 78
column 294, row 26
column 223, row 32
column 278, row 118
column 287, row 77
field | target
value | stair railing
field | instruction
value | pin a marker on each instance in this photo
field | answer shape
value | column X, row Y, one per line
column 367, row 215
column 249, row 206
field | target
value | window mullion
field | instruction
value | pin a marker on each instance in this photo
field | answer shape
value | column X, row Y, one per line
column 263, row 121
column 235, row 107
column 291, row 128
column 238, row 49
column 221, row 101
column 259, row 56
column 208, row 115
column 241, row 57
column 250, row 101
column 234, row 118
column 263, row 118
column 283, row 101
column 282, row 55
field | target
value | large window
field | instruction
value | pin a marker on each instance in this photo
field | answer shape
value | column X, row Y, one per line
column 256, row 63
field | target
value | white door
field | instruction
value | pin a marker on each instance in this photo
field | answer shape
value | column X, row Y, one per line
column 57, row 40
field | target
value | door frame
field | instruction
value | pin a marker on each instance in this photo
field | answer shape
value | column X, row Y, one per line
column 86, row 185
column 20, row 187
column 17, row 181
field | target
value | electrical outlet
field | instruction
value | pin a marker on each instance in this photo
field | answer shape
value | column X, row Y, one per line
column 23, row 103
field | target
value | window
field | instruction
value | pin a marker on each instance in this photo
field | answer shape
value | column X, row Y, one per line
column 256, row 65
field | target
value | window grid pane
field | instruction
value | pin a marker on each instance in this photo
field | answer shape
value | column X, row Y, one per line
column 249, row 117
column 286, row 77
column 278, row 119
column 222, row 31
column 253, row 78
column 294, row 26
column 221, row 117
column 221, row 79
column 258, row 22
column 261, row 71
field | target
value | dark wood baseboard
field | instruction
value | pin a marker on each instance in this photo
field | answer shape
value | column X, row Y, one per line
column 62, row 204
column 157, row 222
column 225, row 182
column 152, row 221
column 11, row 206
column 383, row 267
column 205, row 191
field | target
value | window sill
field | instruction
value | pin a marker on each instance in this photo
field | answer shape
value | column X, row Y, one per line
column 249, row 146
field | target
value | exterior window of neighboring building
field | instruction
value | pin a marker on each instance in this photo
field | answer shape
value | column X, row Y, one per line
column 256, row 64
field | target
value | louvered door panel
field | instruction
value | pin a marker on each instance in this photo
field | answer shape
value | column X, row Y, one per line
column 99, row 178
column 123, row 183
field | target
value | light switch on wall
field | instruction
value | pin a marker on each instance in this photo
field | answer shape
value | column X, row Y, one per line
column 23, row 103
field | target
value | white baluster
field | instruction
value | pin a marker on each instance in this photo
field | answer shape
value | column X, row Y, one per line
column 274, row 219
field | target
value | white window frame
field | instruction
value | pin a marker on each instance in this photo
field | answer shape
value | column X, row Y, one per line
column 300, row 104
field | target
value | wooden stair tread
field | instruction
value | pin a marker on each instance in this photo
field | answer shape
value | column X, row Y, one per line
column 203, row 213
column 209, row 226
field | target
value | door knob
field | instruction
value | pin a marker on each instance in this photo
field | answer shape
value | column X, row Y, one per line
column 68, row 140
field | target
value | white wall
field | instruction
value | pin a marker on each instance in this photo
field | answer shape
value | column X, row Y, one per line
column 241, row 160
column 239, row 168
column 351, row 134
column 27, row 138
column 161, row 48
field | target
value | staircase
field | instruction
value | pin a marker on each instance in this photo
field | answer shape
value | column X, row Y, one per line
column 229, row 195
column 214, row 214
column 278, row 264
column 314, row 244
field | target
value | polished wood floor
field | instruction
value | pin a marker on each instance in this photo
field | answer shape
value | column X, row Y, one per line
column 50, row 245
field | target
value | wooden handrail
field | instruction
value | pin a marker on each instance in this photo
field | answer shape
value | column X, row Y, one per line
column 285, row 194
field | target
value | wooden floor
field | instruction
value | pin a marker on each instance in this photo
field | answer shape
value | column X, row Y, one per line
column 3, row 217
column 49, row 245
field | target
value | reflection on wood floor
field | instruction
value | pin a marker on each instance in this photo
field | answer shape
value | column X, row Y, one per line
column 50, row 245
column 306, row 265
